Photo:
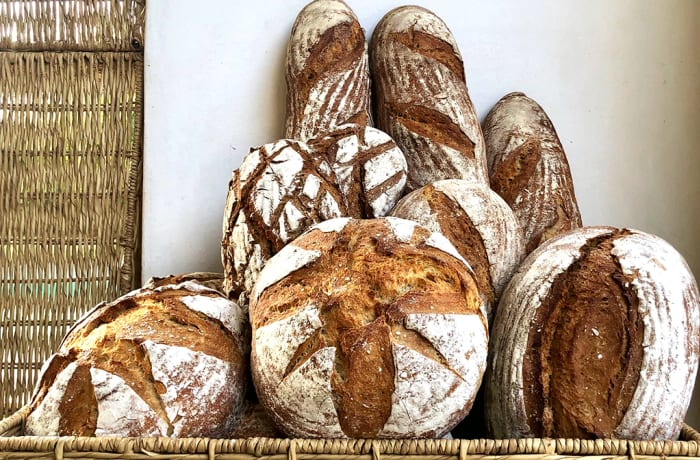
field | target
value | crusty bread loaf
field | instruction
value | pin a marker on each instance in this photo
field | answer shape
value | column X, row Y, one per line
column 595, row 336
column 327, row 71
column 283, row 188
column 477, row 222
column 421, row 98
column 167, row 361
column 529, row 169
column 207, row 279
column 367, row 328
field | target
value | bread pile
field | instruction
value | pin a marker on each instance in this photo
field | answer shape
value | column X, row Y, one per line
column 387, row 280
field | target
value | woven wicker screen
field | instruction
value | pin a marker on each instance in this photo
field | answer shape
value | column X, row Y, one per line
column 71, row 87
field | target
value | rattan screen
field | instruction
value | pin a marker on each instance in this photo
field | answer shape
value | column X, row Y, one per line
column 70, row 174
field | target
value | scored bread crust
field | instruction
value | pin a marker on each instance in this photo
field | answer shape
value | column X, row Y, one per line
column 480, row 225
column 367, row 328
column 284, row 187
column 327, row 71
column 528, row 168
column 167, row 361
column 630, row 332
column 421, row 98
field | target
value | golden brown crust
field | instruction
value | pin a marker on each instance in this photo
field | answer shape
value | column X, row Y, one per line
column 366, row 284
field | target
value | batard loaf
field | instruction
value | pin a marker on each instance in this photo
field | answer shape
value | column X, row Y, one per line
column 327, row 71
column 477, row 222
column 596, row 336
column 421, row 98
column 167, row 361
column 282, row 188
column 367, row 328
column 529, row 169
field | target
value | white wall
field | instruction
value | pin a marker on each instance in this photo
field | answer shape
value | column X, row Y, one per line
column 620, row 80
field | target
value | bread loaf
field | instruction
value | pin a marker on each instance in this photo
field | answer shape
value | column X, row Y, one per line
column 477, row 222
column 367, row 328
column 327, row 72
column 595, row 336
column 210, row 280
column 167, row 361
column 283, row 188
column 421, row 98
column 528, row 168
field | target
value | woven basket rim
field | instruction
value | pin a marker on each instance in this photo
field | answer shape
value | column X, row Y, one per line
column 11, row 441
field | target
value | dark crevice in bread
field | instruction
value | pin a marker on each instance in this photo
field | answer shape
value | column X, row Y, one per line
column 430, row 124
column 433, row 48
column 513, row 172
column 458, row 227
column 585, row 348
column 337, row 48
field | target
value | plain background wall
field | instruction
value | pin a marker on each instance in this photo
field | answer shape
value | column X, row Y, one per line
column 619, row 79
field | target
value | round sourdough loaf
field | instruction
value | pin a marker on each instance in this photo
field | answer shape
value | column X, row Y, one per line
column 477, row 222
column 528, row 168
column 421, row 98
column 284, row 187
column 167, row 361
column 327, row 72
column 367, row 328
column 596, row 336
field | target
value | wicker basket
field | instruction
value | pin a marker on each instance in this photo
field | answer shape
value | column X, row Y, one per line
column 14, row 445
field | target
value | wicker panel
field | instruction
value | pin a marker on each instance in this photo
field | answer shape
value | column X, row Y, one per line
column 72, row 25
column 70, row 162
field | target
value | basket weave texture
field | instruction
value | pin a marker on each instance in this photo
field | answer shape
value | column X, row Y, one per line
column 14, row 445
column 70, row 173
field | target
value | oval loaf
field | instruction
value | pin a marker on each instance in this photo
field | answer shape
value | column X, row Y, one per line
column 367, row 328
column 327, row 71
column 528, row 168
column 421, row 98
column 596, row 336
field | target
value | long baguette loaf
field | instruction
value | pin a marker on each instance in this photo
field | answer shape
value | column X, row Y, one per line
column 421, row 98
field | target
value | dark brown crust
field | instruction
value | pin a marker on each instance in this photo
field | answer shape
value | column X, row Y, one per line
column 432, row 48
column 431, row 124
column 534, row 178
column 339, row 49
column 515, row 171
column 585, row 349
column 364, row 317
column 421, row 99
column 458, row 227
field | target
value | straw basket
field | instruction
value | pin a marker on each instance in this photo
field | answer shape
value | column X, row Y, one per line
column 14, row 445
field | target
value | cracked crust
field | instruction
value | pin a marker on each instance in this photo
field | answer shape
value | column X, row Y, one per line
column 167, row 354
column 283, row 188
column 370, row 320
column 595, row 336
